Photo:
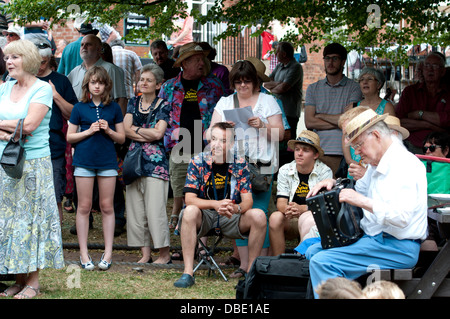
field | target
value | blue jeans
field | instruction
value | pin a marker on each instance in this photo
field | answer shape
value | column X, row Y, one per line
column 370, row 252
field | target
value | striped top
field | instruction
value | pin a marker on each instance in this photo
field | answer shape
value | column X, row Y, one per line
column 332, row 99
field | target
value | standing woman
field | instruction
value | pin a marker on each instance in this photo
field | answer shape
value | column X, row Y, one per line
column 30, row 236
column 267, row 120
column 146, row 197
column 100, row 121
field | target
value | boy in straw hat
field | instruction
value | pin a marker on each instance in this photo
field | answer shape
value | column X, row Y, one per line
column 393, row 196
column 293, row 218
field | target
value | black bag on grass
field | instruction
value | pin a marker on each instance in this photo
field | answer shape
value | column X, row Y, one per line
column 277, row 277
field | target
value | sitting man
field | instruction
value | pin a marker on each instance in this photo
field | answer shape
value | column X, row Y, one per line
column 393, row 196
column 218, row 195
column 293, row 218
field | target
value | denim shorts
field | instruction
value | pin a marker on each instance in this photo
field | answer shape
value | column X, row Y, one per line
column 89, row 172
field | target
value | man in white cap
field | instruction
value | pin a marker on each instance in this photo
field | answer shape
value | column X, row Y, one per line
column 12, row 34
column 193, row 97
column 393, row 196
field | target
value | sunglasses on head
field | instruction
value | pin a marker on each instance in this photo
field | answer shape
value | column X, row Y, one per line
column 431, row 147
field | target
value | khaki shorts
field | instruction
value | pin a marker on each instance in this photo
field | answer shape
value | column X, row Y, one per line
column 178, row 166
column 228, row 226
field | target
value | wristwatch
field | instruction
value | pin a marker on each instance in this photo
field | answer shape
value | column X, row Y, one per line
column 420, row 114
column 137, row 130
column 239, row 209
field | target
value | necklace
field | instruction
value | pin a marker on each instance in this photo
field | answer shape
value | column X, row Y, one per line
column 148, row 108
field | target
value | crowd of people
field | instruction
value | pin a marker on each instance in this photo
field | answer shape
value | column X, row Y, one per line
column 209, row 132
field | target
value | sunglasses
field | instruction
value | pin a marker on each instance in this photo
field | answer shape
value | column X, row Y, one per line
column 43, row 45
column 431, row 147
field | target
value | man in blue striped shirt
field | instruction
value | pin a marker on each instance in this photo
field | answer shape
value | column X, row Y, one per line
column 326, row 100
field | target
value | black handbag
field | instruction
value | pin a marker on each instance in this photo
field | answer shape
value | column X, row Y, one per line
column 260, row 182
column 132, row 164
column 338, row 223
column 14, row 154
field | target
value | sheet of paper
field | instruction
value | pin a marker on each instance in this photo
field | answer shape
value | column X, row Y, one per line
column 240, row 118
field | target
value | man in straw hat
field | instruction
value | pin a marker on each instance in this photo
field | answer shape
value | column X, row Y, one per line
column 293, row 218
column 193, row 97
column 286, row 83
column 393, row 196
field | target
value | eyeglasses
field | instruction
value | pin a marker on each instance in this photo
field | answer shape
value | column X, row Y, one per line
column 432, row 65
column 11, row 35
column 332, row 58
column 360, row 144
column 245, row 82
column 366, row 79
column 431, row 147
column 42, row 45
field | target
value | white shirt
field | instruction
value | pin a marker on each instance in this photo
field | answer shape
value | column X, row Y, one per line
column 260, row 148
column 398, row 188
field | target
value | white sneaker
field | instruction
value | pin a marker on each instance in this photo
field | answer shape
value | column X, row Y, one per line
column 87, row 266
column 103, row 264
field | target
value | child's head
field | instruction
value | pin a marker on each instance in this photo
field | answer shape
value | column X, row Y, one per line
column 339, row 288
column 94, row 75
column 383, row 289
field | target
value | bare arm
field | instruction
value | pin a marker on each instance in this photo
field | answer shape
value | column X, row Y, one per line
column 314, row 122
column 36, row 113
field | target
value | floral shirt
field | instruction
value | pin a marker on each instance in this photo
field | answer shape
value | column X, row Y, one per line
column 210, row 90
column 200, row 171
column 154, row 158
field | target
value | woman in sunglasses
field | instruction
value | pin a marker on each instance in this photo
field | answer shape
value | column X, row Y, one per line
column 437, row 144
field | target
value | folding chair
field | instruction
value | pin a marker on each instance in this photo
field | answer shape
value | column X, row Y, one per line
column 206, row 256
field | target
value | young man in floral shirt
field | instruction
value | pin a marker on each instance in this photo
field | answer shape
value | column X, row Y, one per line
column 218, row 194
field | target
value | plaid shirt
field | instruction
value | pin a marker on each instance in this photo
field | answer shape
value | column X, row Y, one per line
column 130, row 63
column 200, row 171
column 210, row 90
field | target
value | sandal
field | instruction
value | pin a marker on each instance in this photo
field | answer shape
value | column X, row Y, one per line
column 231, row 261
column 173, row 221
column 68, row 206
column 23, row 295
column 238, row 273
column 6, row 293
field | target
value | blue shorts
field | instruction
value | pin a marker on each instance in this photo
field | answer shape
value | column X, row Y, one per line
column 90, row 172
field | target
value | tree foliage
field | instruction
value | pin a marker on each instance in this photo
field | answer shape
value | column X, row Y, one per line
column 355, row 23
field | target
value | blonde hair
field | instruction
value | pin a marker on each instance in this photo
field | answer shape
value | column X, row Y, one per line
column 29, row 53
column 101, row 75
column 349, row 115
column 339, row 288
column 383, row 289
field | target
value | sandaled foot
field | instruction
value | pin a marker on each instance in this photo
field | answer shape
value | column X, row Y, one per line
column 231, row 261
column 27, row 292
column 238, row 273
column 11, row 291
column 173, row 221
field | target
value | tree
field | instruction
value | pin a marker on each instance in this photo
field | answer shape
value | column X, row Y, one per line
column 357, row 24
column 105, row 11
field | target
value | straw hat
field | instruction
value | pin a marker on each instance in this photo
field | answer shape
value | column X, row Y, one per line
column 260, row 68
column 307, row 137
column 187, row 50
column 394, row 124
column 361, row 123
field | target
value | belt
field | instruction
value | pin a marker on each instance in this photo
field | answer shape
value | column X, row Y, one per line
column 419, row 241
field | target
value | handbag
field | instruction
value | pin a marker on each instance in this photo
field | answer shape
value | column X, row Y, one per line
column 338, row 223
column 260, row 182
column 132, row 164
column 14, row 154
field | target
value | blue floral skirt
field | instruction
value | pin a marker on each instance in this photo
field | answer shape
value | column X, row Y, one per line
column 30, row 231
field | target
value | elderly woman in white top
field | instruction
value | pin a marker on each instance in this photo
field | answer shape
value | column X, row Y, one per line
column 268, row 130
column 30, row 236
